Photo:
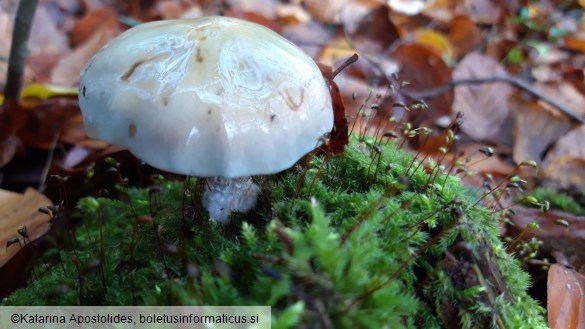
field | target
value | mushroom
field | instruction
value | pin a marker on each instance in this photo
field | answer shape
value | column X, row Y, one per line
column 213, row 97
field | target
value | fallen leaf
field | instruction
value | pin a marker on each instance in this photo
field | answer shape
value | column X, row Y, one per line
column 436, row 41
column 45, row 36
column 485, row 105
column 326, row 11
column 8, row 149
column 292, row 14
column 574, row 44
column 169, row 9
column 424, row 69
column 91, row 22
column 18, row 211
column 549, row 227
column 375, row 32
column 443, row 10
column 565, row 298
column 535, row 128
column 304, row 36
column 561, row 234
column 44, row 91
column 565, row 94
column 336, row 50
column 483, row 11
column 463, row 35
column 66, row 72
column 354, row 11
column 570, row 144
column 565, row 171
column 264, row 8
column 43, row 123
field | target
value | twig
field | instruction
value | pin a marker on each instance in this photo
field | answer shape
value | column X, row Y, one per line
column 516, row 82
column 19, row 48
column 9, row 123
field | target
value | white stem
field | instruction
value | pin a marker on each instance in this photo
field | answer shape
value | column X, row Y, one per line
column 226, row 195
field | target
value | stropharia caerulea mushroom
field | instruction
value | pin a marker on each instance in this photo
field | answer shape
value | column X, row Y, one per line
column 214, row 97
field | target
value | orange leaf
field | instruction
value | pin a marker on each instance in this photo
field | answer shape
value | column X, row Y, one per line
column 565, row 298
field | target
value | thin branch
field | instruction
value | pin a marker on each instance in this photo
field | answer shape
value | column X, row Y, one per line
column 514, row 81
column 19, row 49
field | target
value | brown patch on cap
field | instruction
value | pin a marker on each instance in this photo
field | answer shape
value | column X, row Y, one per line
column 289, row 100
column 131, row 130
column 129, row 73
column 198, row 57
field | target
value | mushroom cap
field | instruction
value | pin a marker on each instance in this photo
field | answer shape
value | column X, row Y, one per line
column 206, row 97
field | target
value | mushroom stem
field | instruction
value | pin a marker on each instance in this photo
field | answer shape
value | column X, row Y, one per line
column 223, row 196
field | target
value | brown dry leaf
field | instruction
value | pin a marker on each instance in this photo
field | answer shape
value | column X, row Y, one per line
column 72, row 130
column 43, row 122
column 19, row 211
column 264, row 8
column 535, row 128
column 443, row 10
column 564, row 93
column 66, row 72
column 8, row 149
column 304, row 36
column 463, row 35
column 424, row 69
column 565, row 298
column 570, row 144
column 549, row 226
column 375, row 32
column 170, row 9
column 354, row 11
column 373, row 36
column 46, row 44
column 45, row 36
column 485, row 105
column 91, row 22
column 292, row 14
column 483, row 11
column 562, row 234
column 327, row 12
column 565, row 172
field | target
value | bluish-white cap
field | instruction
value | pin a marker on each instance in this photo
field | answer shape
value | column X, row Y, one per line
column 206, row 97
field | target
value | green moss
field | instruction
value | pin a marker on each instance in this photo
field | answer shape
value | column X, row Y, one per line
column 363, row 245
column 558, row 200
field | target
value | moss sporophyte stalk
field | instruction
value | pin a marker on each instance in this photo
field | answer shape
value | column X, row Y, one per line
column 362, row 244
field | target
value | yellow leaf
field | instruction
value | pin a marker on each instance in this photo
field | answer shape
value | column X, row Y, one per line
column 436, row 41
column 40, row 91
column 339, row 48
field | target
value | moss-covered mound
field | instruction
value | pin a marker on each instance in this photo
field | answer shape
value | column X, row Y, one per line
column 369, row 239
